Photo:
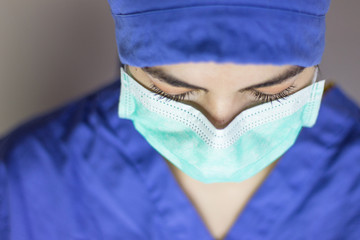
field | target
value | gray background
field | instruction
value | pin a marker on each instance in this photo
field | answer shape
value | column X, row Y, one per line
column 52, row 52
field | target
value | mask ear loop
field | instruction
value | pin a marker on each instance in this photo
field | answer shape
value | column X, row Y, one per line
column 315, row 75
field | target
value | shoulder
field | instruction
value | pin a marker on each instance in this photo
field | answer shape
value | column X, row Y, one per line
column 338, row 124
column 336, row 140
column 58, row 124
column 75, row 157
column 74, row 130
column 337, row 132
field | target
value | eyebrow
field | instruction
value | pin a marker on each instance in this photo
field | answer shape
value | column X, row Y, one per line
column 171, row 80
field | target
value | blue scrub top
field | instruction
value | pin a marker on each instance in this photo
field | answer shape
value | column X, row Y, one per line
column 79, row 172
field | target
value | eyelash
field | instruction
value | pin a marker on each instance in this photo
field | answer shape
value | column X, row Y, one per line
column 161, row 94
column 262, row 97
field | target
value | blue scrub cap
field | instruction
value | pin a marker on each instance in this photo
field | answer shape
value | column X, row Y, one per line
column 278, row 32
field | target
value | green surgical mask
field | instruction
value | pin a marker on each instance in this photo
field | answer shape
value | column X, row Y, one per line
column 184, row 136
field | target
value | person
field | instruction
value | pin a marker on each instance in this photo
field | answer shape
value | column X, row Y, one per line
column 220, row 130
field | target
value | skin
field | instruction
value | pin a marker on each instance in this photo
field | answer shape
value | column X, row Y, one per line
column 220, row 204
column 222, row 102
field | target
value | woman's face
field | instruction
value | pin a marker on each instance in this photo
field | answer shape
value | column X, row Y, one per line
column 222, row 91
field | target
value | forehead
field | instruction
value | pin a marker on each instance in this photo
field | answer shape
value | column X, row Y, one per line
column 207, row 74
column 220, row 68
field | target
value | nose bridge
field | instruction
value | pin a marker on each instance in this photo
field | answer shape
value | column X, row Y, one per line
column 222, row 110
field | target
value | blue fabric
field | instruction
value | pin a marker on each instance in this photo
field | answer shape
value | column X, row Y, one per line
column 278, row 32
column 80, row 172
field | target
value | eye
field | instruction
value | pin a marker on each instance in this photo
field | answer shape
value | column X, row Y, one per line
column 263, row 97
column 259, row 96
column 177, row 97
